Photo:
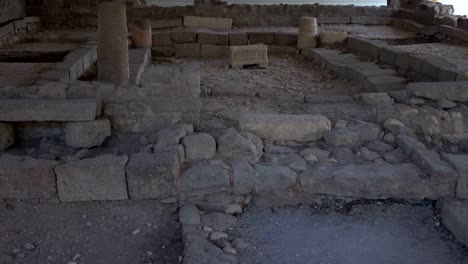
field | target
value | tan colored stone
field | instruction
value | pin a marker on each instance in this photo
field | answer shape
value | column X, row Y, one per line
column 241, row 56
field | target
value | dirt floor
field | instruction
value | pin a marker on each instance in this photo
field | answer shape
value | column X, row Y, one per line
column 98, row 232
column 368, row 233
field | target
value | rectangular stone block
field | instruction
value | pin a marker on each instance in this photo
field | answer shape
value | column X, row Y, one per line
column 22, row 110
column 208, row 22
column 285, row 39
column 168, row 51
column 188, row 50
column 333, row 20
column 97, row 179
column 153, row 176
column 241, row 56
column 452, row 91
column 166, row 23
column 238, row 39
column 267, row 38
column 56, row 75
column 162, row 39
column 26, row 178
column 184, row 37
column 212, row 51
column 384, row 83
column 208, row 38
column 275, row 49
column 32, row 19
column 364, row 46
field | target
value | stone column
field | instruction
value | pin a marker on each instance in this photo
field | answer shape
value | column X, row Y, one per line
column 141, row 33
column 112, row 43
column 308, row 33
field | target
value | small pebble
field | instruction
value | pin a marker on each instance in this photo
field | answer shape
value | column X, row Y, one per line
column 29, row 246
column 136, row 232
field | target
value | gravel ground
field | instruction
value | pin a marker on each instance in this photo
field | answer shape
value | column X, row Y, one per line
column 95, row 232
column 371, row 233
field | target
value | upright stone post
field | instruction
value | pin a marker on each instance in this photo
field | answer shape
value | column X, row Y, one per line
column 308, row 33
column 141, row 33
column 112, row 43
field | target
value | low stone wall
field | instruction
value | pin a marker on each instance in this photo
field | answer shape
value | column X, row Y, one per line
column 12, row 10
column 18, row 29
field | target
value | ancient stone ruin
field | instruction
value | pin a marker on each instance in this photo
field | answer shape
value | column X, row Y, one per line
column 214, row 110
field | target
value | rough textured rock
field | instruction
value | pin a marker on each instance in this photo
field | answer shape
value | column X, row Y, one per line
column 273, row 177
column 379, row 147
column 294, row 161
column 152, row 176
column 189, row 215
column 199, row 146
column 368, row 155
column 219, row 221
column 370, row 181
column 168, row 137
column 301, row 128
column 101, row 178
column 204, row 179
column 245, row 146
column 353, row 135
column 452, row 91
column 454, row 215
column 198, row 250
column 7, row 136
column 25, row 177
column 243, row 177
column 321, row 154
column 460, row 163
column 87, row 134
column 396, row 156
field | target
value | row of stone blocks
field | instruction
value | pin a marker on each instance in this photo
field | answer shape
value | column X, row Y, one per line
column 447, row 30
column 17, row 25
column 430, row 66
column 368, row 75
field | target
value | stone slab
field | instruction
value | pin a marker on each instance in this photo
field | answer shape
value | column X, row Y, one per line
column 452, row 91
column 240, row 56
column 208, row 22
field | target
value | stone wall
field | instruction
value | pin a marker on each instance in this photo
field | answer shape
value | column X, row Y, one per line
column 11, row 10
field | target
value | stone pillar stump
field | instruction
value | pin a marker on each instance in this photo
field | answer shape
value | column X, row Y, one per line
column 308, row 33
column 141, row 33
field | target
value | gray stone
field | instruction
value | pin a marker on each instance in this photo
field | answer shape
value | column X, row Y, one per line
column 233, row 209
column 370, row 181
column 219, row 221
column 204, row 179
column 177, row 149
column 352, row 135
column 454, row 215
column 321, row 154
column 409, row 144
column 452, row 91
column 198, row 250
column 444, row 103
column 273, row 177
column 301, row 128
column 368, row 155
column 168, row 137
column 101, row 178
column 199, row 146
column 294, row 161
column 275, row 149
column 379, row 147
column 7, row 136
column 25, row 177
column 344, row 155
column 396, row 156
column 377, row 98
column 189, row 215
column 87, row 134
column 243, row 177
column 443, row 178
column 240, row 146
column 152, row 176
column 460, row 163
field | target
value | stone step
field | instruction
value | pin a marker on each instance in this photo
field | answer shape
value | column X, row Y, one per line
column 23, row 110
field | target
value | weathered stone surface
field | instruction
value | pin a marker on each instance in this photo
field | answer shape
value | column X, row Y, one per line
column 189, row 215
column 7, row 136
column 286, row 39
column 199, row 146
column 219, row 221
column 243, row 177
column 377, row 98
column 409, row 144
column 240, row 56
column 294, row 161
column 167, row 137
column 368, row 155
column 460, row 163
column 454, row 215
column 184, row 36
column 87, row 134
column 25, row 177
column 443, row 178
column 162, row 39
column 166, row 23
column 353, row 135
column 22, row 110
column 452, row 91
column 396, row 156
column 300, row 128
column 152, row 176
column 321, row 154
column 333, row 38
column 274, row 177
column 187, row 50
column 204, row 179
column 379, row 146
column 208, row 22
column 245, row 146
column 238, row 39
column 370, row 181
column 267, row 38
column 101, row 178
column 213, row 38
column 308, row 33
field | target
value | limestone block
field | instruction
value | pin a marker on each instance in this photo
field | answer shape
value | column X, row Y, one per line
column 208, row 22
column 87, row 134
column 300, row 128
column 384, row 83
column 241, row 56
column 25, row 177
column 166, row 23
column 188, row 50
column 452, row 91
column 212, row 51
column 282, row 50
column 267, row 38
column 308, row 33
column 162, row 39
column 273, row 178
column 333, row 38
column 238, row 38
column 101, row 178
column 7, row 136
column 370, row 181
column 353, row 135
column 204, row 179
column 212, row 38
column 199, row 146
column 181, row 37
column 286, row 39
column 152, row 176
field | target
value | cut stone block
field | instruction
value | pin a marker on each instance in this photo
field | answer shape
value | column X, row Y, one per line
column 333, row 38
column 300, row 128
column 267, row 38
column 97, row 179
column 162, row 39
column 208, row 22
column 282, row 50
column 273, row 177
column 377, row 99
column 212, row 51
column 460, row 163
column 7, row 136
column 243, row 146
column 152, row 176
column 238, row 38
column 168, row 51
column 166, row 23
column 87, row 134
column 370, row 181
column 353, row 135
column 22, row 110
column 182, row 37
column 188, row 50
column 241, row 56
column 204, row 179
column 454, row 215
column 286, row 39
column 452, row 91
column 384, row 83
column 199, row 146
column 209, row 38
column 25, row 177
